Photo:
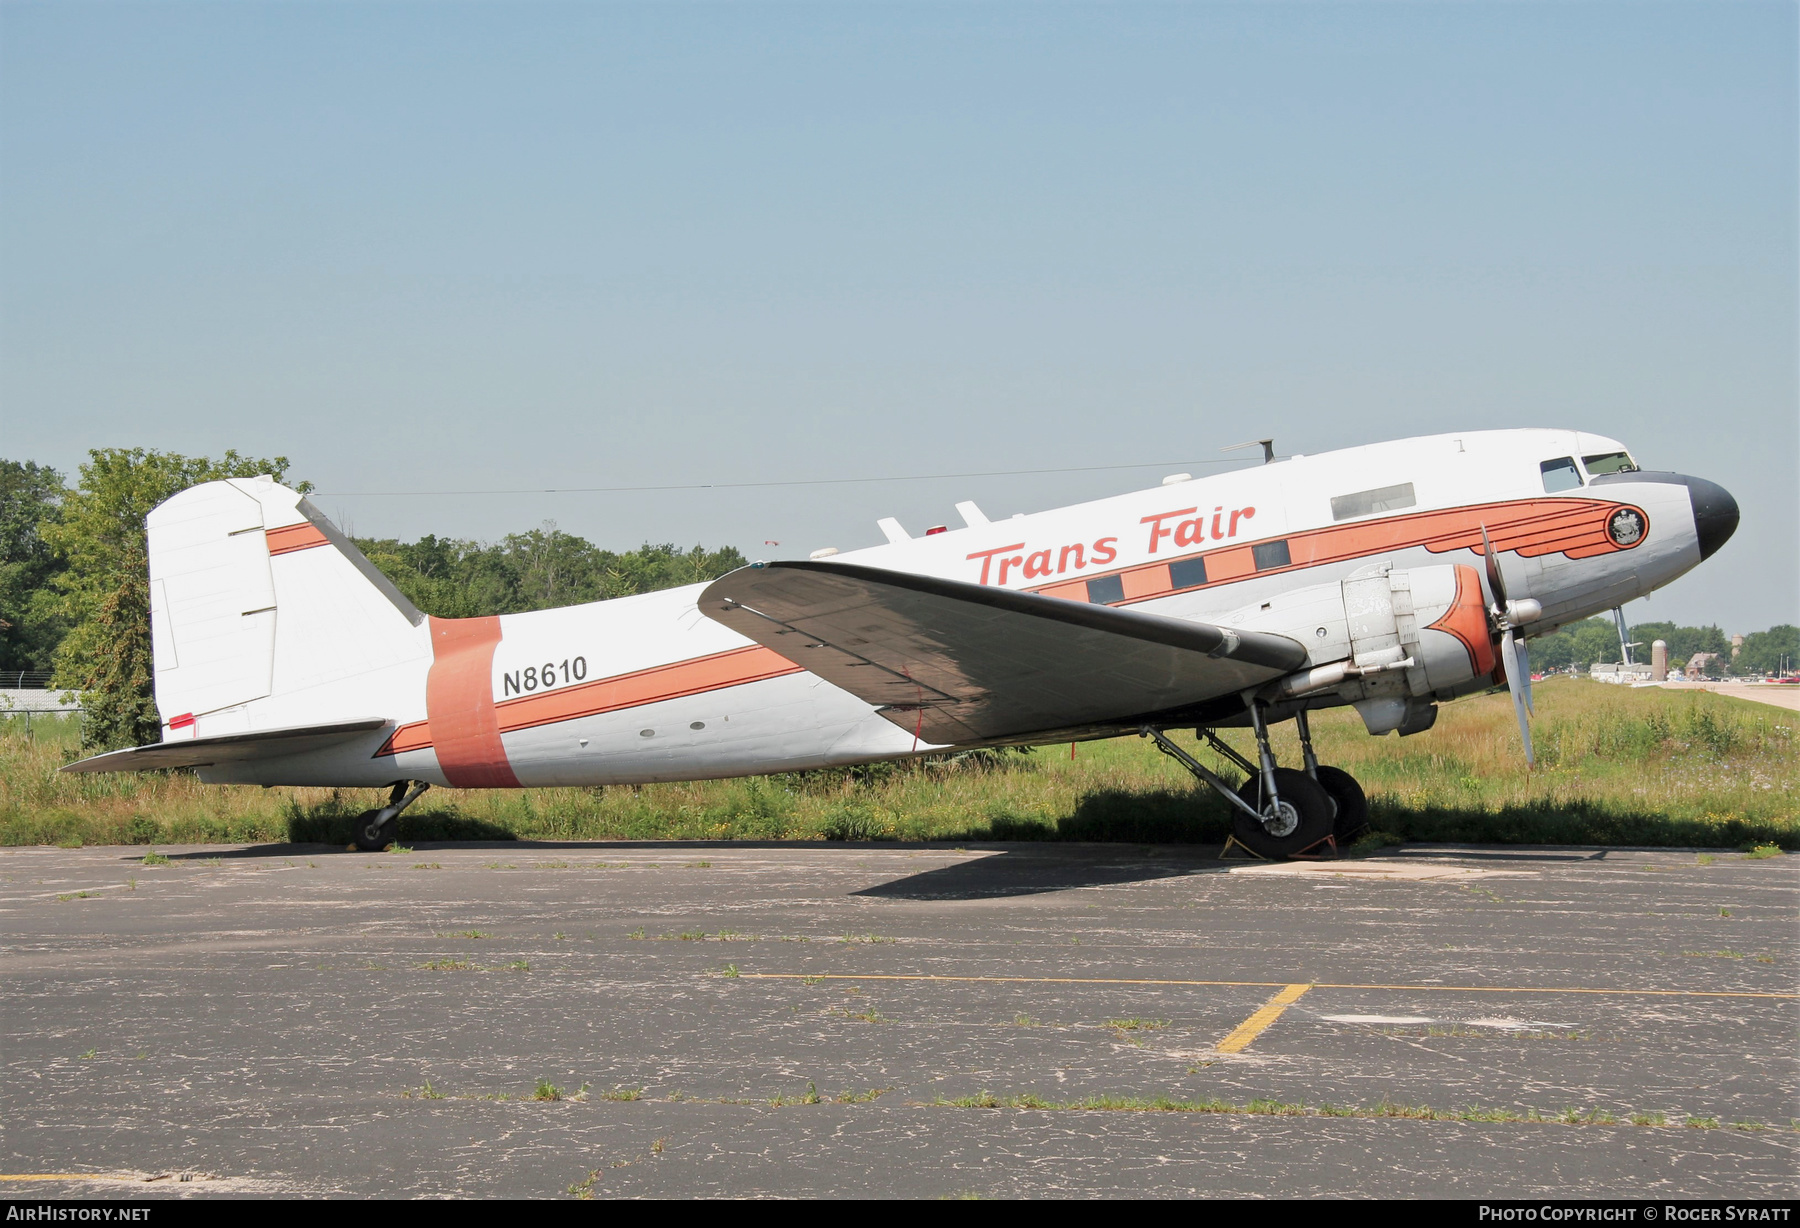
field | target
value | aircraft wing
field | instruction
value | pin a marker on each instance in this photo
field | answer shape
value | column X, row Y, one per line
column 227, row 747
column 964, row 662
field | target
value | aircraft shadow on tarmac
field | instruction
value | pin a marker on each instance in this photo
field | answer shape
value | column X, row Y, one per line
column 1040, row 869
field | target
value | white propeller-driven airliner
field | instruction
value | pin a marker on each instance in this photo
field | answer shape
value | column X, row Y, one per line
column 1391, row 577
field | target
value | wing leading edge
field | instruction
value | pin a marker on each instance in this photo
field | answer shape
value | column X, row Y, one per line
column 964, row 662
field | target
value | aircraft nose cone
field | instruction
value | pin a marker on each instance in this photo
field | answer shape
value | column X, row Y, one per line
column 1715, row 514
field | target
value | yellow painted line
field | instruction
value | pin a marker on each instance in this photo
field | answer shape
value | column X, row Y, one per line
column 1107, row 980
column 1252, row 1027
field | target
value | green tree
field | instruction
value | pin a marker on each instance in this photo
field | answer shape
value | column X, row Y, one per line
column 1766, row 652
column 1579, row 645
column 30, row 622
column 536, row 570
column 103, row 588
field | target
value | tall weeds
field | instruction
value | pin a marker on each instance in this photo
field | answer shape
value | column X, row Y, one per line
column 1615, row 765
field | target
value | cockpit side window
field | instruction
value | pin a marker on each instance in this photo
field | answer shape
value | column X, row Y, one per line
column 1609, row 462
column 1560, row 474
column 1368, row 502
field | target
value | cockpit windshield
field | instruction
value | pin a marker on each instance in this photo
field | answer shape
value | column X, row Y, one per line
column 1609, row 462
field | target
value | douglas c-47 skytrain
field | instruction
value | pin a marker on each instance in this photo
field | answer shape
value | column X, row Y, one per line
column 1392, row 577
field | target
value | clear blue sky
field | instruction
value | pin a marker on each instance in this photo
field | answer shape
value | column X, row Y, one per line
column 450, row 247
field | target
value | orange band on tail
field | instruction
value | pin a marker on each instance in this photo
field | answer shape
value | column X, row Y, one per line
column 459, row 702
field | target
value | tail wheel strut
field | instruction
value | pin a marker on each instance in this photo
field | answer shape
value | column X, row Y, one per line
column 374, row 830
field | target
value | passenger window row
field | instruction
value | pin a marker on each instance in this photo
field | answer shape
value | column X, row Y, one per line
column 1182, row 574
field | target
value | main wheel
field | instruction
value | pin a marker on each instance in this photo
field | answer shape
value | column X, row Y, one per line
column 1301, row 819
column 371, row 834
column 1352, row 806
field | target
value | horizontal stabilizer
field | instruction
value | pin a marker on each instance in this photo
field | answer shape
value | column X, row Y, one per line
column 228, row 747
column 960, row 662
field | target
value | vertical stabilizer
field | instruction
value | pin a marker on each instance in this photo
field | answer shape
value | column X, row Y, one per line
column 264, row 615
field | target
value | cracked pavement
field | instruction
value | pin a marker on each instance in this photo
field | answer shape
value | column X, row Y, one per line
column 304, row 1020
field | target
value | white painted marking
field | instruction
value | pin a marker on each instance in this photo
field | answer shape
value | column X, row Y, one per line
column 1393, row 1019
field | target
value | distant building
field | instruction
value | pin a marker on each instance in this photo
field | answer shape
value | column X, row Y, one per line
column 1659, row 661
column 1703, row 663
column 1737, row 646
column 1624, row 675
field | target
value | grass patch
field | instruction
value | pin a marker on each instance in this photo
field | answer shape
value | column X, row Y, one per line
column 848, row 1097
column 1617, row 765
column 1278, row 1108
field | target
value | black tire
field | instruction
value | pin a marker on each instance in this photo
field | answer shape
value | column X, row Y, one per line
column 1305, row 818
column 370, row 834
column 1352, row 806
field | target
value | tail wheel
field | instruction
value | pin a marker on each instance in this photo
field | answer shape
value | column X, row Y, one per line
column 371, row 833
column 1301, row 819
column 1352, row 806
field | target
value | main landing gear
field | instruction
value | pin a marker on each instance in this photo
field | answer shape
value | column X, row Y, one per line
column 374, row 830
column 1277, row 811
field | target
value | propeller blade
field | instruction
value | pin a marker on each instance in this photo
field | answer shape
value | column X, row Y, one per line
column 1519, row 686
column 1495, row 581
column 1524, row 655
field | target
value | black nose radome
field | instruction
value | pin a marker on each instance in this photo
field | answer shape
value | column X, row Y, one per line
column 1715, row 514
column 1715, row 511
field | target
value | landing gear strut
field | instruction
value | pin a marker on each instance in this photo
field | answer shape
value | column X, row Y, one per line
column 1278, row 812
column 1348, row 802
column 374, row 830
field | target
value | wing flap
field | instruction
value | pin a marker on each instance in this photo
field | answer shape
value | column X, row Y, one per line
column 228, row 747
column 960, row 662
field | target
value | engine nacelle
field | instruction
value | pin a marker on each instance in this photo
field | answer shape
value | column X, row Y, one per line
column 1388, row 641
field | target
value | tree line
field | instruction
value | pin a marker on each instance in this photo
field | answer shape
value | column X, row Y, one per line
column 74, row 591
column 75, row 595
column 1595, row 641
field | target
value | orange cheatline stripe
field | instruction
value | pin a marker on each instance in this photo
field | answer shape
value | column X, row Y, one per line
column 1268, row 1013
column 1529, row 527
column 647, row 686
column 290, row 538
column 1110, row 980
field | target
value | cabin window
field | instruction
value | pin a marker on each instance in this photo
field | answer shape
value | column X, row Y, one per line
column 1271, row 555
column 1368, row 502
column 1560, row 474
column 1106, row 590
column 1187, row 573
column 1609, row 462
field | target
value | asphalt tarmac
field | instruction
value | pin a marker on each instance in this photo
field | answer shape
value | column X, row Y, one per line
column 793, row 1020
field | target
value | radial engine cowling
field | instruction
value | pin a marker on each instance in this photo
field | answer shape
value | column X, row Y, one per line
column 1388, row 641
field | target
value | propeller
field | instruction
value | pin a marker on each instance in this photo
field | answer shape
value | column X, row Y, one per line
column 1507, row 615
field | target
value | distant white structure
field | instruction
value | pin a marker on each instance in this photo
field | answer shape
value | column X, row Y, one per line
column 1659, row 661
column 30, row 702
column 1624, row 675
column 36, row 701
